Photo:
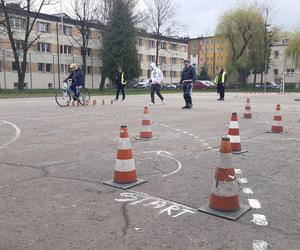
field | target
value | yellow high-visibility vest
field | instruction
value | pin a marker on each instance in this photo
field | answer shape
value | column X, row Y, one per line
column 123, row 82
column 223, row 78
column 216, row 79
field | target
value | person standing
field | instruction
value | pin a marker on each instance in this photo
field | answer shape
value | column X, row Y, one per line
column 220, row 80
column 188, row 77
column 156, row 80
column 120, row 83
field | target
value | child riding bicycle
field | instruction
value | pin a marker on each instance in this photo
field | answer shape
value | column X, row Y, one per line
column 77, row 79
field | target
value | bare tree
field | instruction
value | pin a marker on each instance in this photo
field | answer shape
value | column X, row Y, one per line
column 160, row 20
column 85, row 12
column 19, row 19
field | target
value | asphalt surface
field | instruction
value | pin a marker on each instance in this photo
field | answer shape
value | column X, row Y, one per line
column 53, row 161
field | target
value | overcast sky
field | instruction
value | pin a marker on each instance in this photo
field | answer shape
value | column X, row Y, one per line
column 200, row 16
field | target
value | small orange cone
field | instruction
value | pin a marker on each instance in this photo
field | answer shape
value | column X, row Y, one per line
column 94, row 102
column 146, row 132
column 248, row 114
column 277, row 126
column 125, row 173
column 234, row 135
column 224, row 200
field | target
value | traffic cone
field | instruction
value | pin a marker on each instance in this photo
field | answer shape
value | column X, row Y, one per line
column 277, row 126
column 146, row 132
column 224, row 200
column 94, row 102
column 248, row 114
column 125, row 173
column 234, row 135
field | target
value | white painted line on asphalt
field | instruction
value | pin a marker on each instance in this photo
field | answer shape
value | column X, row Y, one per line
column 170, row 156
column 205, row 144
column 242, row 180
column 201, row 140
column 254, row 203
column 260, row 245
column 17, row 134
column 184, row 132
column 247, row 191
column 260, row 220
column 196, row 137
column 238, row 171
column 178, row 130
column 290, row 139
column 191, row 135
column 209, row 148
column 162, row 124
column 167, row 126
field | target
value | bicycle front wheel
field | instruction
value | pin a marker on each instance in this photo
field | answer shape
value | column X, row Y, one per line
column 84, row 97
column 63, row 98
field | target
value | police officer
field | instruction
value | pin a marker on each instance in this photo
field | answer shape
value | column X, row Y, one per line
column 120, row 82
column 220, row 80
column 188, row 77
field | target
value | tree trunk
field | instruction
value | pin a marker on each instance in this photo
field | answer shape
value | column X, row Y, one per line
column 157, row 51
column 261, row 77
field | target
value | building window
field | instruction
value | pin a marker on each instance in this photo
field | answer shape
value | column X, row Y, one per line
column 67, row 30
column 163, row 45
column 89, row 69
column 276, row 53
column 140, row 57
column 43, row 27
column 150, row 58
column 44, row 47
column 65, row 68
column 140, row 42
column 88, row 51
column 17, row 23
column 174, row 60
column 162, row 60
column 50, row 85
column 275, row 71
column 184, row 48
column 48, row 68
column 19, row 44
column 290, row 72
column 173, row 73
column 66, row 49
column 164, row 73
column 14, row 66
column 41, row 67
column 173, row 46
column 151, row 43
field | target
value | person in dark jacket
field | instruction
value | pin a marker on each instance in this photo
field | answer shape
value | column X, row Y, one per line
column 188, row 77
column 77, row 79
column 120, row 83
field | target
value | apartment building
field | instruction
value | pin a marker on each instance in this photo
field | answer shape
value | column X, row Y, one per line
column 210, row 52
column 281, row 65
column 59, row 46
column 172, row 52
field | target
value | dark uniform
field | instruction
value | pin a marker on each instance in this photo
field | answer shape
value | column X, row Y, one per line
column 120, row 84
column 220, row 80
column 188, row 77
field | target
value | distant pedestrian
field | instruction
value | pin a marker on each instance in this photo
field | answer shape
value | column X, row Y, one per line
column 155, row 81
column 120, row 82
column 188, row 77
column 220, row 80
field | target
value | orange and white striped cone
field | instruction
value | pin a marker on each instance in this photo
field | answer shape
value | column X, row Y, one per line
column 94, row 102
column 125, row 173
column 277, row 126
column 248, row 114
column 146, row 132
column 224, row 200
column 234, row 135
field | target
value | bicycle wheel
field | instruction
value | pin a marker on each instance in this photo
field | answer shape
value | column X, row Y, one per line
column 84, row 97
column 63, row 98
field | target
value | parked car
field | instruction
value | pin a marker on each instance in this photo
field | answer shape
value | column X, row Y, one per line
column 269, row 85
column 210, row 84
column 166, row 86
column 143, row 84
column 200, row 85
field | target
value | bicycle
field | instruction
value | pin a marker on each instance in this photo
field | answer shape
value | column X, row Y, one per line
column 63, row 96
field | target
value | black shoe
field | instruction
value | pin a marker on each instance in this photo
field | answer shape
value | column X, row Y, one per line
column 185, row 107
column 190, row 106
column 74, row 98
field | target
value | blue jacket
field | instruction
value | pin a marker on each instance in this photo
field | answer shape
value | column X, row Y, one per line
column 77, row 77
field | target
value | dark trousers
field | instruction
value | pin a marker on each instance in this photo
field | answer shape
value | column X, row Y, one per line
column 74, row 86
column 221, row 90
column 155, row 88
column 120, row 87
column 187, row 93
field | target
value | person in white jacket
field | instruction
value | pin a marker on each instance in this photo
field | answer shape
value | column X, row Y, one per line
column 156, row 79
